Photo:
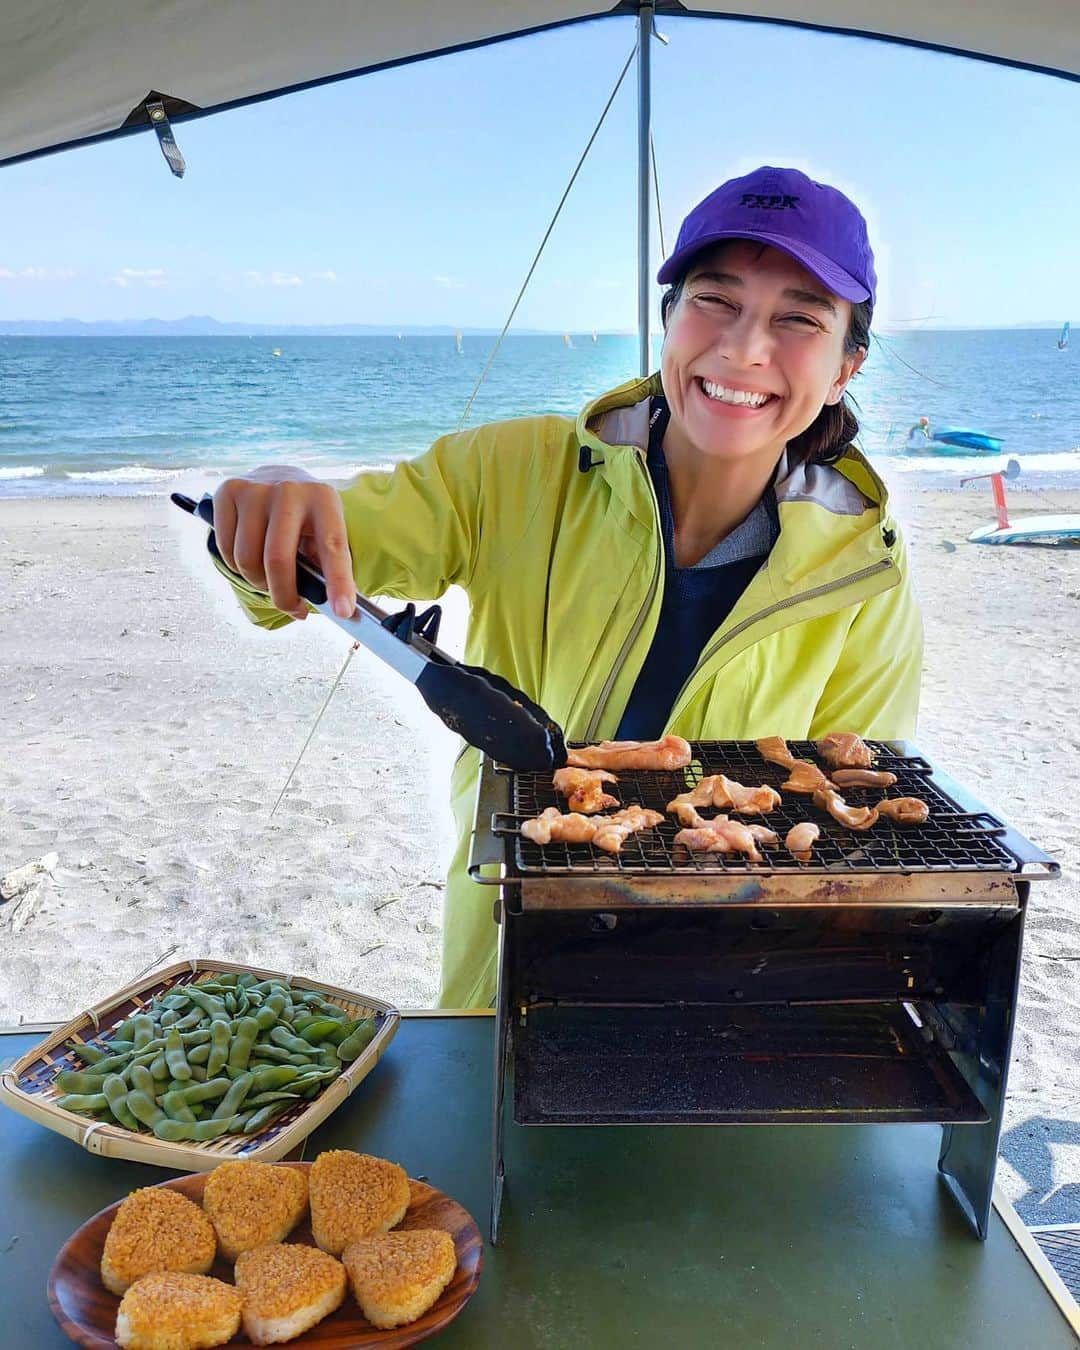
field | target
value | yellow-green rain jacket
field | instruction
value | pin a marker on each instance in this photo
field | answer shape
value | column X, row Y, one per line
column 564, row 573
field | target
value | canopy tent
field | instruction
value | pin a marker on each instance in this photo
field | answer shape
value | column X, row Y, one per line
column 73, row 71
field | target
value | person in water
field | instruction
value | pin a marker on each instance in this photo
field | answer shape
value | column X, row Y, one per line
column 920, row 432
column 702, row 552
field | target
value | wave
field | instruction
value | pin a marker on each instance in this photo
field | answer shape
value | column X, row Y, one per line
column 23, row 471
column 1055, row 462
column 125, row 473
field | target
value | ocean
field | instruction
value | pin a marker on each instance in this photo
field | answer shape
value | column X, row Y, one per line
column 131, row 416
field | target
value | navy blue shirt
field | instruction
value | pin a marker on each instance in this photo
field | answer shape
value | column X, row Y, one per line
column 696, row 599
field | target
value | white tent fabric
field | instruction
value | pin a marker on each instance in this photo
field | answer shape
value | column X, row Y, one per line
column 74, row 70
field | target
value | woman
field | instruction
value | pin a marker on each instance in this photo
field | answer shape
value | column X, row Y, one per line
column 702, row 552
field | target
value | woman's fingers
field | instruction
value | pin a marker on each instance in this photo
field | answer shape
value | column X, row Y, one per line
column 262, row 525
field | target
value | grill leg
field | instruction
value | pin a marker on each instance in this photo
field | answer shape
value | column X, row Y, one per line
column 498, row 1107
column 968, row 1156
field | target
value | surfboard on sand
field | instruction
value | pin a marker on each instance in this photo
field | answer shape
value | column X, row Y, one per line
column 1029, row 530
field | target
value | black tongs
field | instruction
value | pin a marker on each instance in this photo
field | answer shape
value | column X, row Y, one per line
column 480, row 706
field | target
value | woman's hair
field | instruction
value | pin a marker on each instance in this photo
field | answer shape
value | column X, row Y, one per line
column 836, row 426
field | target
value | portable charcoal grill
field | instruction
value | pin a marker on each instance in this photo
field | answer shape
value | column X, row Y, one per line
column 876, row 983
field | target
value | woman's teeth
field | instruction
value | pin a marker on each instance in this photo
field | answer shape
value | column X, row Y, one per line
column 740, row 397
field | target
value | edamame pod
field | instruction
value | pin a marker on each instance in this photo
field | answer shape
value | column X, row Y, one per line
column 199, row 1131
column 355, row 1044
column 233, row 1099
column 220, row 1038
column 175, row 1057
column 76, row 1080
column 116, row 1093
column 89, row 1054
column 79, row 1101
column 143, row 1107
column 264, row 1116
column 176, row 1108
column 243, row 1042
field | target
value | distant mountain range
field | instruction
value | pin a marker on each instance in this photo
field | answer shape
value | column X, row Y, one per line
column 202, row 325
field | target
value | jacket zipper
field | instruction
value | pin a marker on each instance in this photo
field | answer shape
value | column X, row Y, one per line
column 624, row 651
column 787, row 603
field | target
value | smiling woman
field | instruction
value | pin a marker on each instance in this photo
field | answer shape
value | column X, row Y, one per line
column 701, row 553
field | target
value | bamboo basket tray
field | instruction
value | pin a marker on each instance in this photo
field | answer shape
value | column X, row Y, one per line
column 28, row 1087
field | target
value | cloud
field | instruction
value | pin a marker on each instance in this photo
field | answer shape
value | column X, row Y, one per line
column 36, row 274
column 154, row 277
column 329, row 275
column 451, row 283
column 272, row 279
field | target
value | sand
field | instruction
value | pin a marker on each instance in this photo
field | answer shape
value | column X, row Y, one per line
column 147, row 730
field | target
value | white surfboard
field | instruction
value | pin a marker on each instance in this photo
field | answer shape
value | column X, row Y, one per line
column 1027, row 530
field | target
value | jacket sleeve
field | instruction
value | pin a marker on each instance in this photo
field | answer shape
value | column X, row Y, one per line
column 413, row 531
column 874, row 688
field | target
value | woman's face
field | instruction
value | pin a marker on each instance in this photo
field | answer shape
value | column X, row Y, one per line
column 753, row 349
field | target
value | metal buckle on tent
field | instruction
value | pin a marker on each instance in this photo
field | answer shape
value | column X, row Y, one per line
column 159, row 120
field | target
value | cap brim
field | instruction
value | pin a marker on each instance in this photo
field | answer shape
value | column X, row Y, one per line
column 838, row 281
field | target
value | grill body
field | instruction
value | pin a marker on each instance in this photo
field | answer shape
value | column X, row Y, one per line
column 875, row 984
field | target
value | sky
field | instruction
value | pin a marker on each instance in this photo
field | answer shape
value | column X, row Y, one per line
column 420, row 195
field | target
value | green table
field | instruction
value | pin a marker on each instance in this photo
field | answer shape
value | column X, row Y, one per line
column 815, row 1237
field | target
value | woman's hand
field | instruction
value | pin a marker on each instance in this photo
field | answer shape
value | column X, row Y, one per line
column 264, row 520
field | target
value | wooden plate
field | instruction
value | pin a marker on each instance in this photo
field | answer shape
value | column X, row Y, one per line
column 86, row 1310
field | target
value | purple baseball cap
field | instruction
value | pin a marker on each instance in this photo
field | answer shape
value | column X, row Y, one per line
column 812, row 222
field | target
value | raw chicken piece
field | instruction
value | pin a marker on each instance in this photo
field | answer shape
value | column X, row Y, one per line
column 720, row 791
column 764, row 836
column 613, row 831
column 801, row 839
column 564, row 829
column 721, row 836
column 904, row 810
column 686, row 813
column 584, row 789
column 774, row 750
column 854, row 817
column 845, row 750
column 863, row 778
column 672, row 752
column 805, row 777
column 748, row 801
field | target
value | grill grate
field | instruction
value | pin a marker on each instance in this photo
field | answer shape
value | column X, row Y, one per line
column 952, row 840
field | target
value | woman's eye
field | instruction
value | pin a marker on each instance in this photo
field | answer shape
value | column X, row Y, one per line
column 716, row 301
column 801, row 320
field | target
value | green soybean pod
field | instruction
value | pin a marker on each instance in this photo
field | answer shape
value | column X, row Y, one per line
column 344, row 1031
column 246, row 979
column 230, row 1003
column 229, row 978
column 243, row 1042
column 143, row 1107
column 116, row 1093
column 271, row 1010
column 176, row 1057
column 318, row 1031
column 142, row 1031
column 113, row 1063
column 75, row 1080
column 264, row 1116
column 142, row 1080
column 175, row 1002
column 360, row 1039
column 199, row 1054
column 243, row 1004
column 89, row 1054
column 176, row 1108
column 82, row 1101
column 209, row 1091
column 270, row 1076
column 265, row 1098
column 198, row 1071
column 191, row 1020
column 201, row 1036
column 233, row 1099
column 274, row 1052
column 287, row 1041
column 209, row 1003
column 220, row 1039
column 198, row 1131
column 168, row 1018
column 159, row 1070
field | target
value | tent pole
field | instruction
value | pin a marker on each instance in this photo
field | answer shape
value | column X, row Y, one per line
column 645, row 23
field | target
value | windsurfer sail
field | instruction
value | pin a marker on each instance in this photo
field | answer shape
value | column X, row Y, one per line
column 1063, row 336
column 457, row 343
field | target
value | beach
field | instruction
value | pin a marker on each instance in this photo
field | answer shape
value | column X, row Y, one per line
column 148, row 730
